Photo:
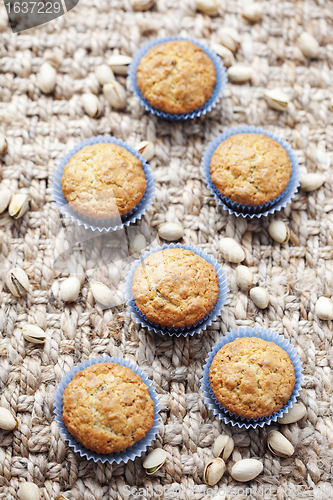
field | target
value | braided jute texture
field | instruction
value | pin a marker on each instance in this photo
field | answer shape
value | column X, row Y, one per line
column 40, row 129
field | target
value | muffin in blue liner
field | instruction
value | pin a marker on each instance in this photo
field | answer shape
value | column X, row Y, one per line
column 244, row 210
column 106, row 224
column 224, row 414
column 129, row 453
column 200, row 325
column 221, row 79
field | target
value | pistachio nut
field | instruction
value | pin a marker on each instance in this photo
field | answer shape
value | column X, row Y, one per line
column 46, row 78
column 138, row 243
column 312, row 181
column 70, row 289
column 19, row 205
column 104, row 74
column 244, row 278
column 102, row 294
column 240, row 73
column 277, row 99
column 34, row 334
column 229, row 37
column 208, row 7
column 223, row 446
column 214, row 470
column 225, row 54
column 279, row 231
column 154, row 460
column 5, row 196
column 170, row 231
column 252, row 12
column 246, row 469
column 309, row 45
column 143, row 4
column 91, row 105
column 29, row 491
column 279, row 445
column 146, row 149
column 324, row 309
column 120, row 64
column 3, row 144
column 260, row 297
column 231, row 250
column 115, row 94
column 294, row 414
column 17, row 282
column 8, row 421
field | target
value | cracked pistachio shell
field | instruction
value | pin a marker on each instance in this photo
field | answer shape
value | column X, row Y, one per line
column 19, row 205
column 34, row 334
column 104, row 74
column 231, row 250
column 277, row 99
column 208, row 7
column 223, row 446
column 17, row 282
column 8, row 421
column 252, row 12
column 244, row 278
column 229, row 37
column 146, row 149
column 260, row 297
column 91, row 105
column 46, row 78
column 312, row 181
column 279, row 445
column 115, row 94
column 70, row 289
column 240, row 73
column 29, row 491
column 246, row 470
column 5, row 196
column 143, row 4
column 225, row 54
column 154, row 460
column 294, row 414
column 3, row 144
column 324, row 309
column 309, row 45
column 120, row 64
column 170, row 231
column 214, row 470
column 102, row 294
column 279, row 231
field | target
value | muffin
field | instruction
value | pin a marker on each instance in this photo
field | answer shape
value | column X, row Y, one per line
column 176, row 77
column 175, row 288
column 103, row 181
column 250, row 169
column 252, row 377
column 107, row 407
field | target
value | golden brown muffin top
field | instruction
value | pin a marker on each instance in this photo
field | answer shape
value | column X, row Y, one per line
column 176, row 77
column 107, row 407
column 103, row 181
column 250, row 169
column 252, row 377
column 175, row 287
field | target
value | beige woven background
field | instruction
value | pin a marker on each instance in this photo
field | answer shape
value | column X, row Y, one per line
column 40, row 129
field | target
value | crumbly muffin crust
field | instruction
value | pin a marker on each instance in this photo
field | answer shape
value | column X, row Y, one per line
column 250, row 169
column 252, row 377
column 175, row 287
column 176, row 77
column 103, row 181
column 107, row 407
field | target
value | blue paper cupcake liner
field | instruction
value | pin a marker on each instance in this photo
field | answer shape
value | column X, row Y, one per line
column 105, row 224
column 224, row 414
column 244, row 210
column 124, row 456
column 221, row 80
column 200, row 325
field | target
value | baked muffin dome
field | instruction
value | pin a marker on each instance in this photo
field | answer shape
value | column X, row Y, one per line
column 103, row 181
column 250, row 169
column 252, row 377
column 176, row 77
column 175, row 288
column 107, row 407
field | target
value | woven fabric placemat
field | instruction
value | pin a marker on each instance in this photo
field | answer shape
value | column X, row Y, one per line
column 40, row 129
